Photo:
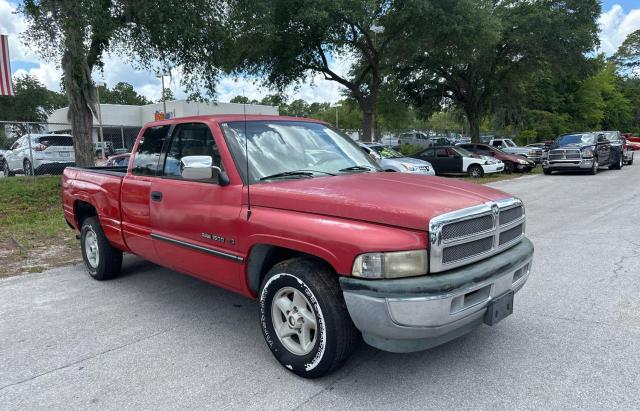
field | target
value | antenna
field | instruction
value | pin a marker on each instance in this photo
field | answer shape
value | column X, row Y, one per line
column 246, row 156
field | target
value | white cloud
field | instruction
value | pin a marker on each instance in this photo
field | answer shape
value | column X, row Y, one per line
column 615, row 26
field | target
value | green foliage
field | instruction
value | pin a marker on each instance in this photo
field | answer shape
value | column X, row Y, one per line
column 121, row 93
column 167, row 95
column 32, row 101
column 410, row 149
column 628, row 55
column 481, row 52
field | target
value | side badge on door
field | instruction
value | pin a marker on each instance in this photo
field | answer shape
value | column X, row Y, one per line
column 213, row 237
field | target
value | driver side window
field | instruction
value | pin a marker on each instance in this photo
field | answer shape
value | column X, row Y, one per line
column 193, row 139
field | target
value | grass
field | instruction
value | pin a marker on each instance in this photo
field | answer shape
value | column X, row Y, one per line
column 33, row 232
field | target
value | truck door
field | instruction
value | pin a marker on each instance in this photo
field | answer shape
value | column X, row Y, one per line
column 195, row 222
column 136, row 192
column 603, row 148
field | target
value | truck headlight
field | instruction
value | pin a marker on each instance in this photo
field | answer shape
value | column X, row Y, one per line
column 587, row 152
column 395, row 264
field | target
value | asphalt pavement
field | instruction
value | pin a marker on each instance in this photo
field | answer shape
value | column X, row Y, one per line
column 156, row 339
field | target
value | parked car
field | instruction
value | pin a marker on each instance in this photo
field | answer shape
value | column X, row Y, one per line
column 390, row 160
column 509, row 146
column 579, row 151
column 419, row 138
column 544, row 146
column 456, row 160
column 105, row 146
column 46, row 153
column 2, row 159
column 119, row 160
column 618, row 147
column 511, row 162
column 330, row 245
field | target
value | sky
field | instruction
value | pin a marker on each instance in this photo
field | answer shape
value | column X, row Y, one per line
column 618, row 19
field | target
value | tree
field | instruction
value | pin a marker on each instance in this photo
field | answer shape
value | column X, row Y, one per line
column 75, row 34
column 289, row 42
column 32, row 101
column 628, row 54
column 240, row 100
column 122, row 93
column 481, row 51
column 167, row 95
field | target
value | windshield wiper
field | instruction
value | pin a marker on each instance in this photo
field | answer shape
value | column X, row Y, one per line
column 356, row 168
column 296, row 173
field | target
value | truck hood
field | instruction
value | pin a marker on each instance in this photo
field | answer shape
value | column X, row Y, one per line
column 397, row 199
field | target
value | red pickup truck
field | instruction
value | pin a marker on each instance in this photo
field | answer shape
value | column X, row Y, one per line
column 293, row 213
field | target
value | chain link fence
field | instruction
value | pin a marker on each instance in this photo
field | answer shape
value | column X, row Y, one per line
column 34, row 149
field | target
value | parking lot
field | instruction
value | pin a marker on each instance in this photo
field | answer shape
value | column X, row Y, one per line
column 154, row 338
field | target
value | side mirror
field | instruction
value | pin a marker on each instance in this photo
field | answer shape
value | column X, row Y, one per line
column 201, row 168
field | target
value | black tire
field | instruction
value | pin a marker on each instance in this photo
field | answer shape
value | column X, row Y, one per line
column 594, row 167
column 619, row 164
column 509, row 167
column 630, row 161
column 6, row 171
column 547, row 171
column 109, row 260
column 335, row 336
column 27, row 168
column 475, row 171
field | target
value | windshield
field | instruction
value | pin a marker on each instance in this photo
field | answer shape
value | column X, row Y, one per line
column 463, row 152
column 576, row 139
column 386, row 152
column 510, row 143
column 276, row 147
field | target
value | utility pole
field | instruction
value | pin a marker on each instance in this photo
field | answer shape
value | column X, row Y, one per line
column 337, row 106
column 164, row 102
column 102, row 147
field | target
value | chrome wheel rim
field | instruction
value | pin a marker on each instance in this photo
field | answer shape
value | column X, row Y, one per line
column 91, row 248
column 294, row 321
column 595, row 166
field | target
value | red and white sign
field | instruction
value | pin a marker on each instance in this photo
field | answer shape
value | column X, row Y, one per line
column 6, row 88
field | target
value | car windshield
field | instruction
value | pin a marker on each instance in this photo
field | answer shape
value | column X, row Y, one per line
column 463, row 152
column 386, row 152
column 510, row 143
column 296, row 148
column 576, row 139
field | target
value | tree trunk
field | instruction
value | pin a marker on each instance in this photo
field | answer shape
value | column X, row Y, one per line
column 474, row 124
column 367, row 126
column 79, row 88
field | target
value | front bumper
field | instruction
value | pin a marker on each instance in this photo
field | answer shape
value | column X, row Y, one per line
column 493, row 168
column 582, row 164
column 414, row 314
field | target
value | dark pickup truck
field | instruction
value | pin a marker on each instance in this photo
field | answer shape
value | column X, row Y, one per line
column 582, row 151
column 332, row 247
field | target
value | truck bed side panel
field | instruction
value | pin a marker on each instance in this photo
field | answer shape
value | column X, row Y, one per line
column 102, row 191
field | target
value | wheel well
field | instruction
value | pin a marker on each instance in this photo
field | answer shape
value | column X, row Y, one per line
column 264, row 256
column 83, row 210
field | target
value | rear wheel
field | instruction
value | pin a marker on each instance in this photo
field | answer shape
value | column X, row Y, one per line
column 27, row 168
column 619, row 164
column 103, row 261
column 475, row 171
column 304, row 318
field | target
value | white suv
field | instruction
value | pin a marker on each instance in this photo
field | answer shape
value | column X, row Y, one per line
column 47, row 153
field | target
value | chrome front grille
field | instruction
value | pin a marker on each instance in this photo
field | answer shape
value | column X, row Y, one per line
column 464, row 250
column 562, row 154
column 467, row 227
column 464, row 236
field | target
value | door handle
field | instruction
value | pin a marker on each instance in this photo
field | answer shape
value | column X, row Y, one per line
column 156, row 196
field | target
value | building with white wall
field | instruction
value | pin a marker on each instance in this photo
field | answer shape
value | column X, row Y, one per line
column 121, row 123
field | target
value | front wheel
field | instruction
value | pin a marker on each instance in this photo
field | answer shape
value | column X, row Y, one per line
column 102, row 260
column 304, row 318
column 475, row 171
column 6, row 170
column 594, row 167
column 509, row 167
